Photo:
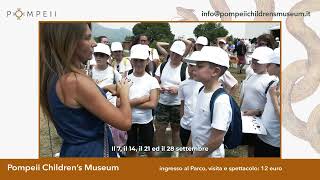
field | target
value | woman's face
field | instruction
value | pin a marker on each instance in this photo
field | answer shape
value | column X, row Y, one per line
column 143, row 40
column 85, row 46
column 139, row 65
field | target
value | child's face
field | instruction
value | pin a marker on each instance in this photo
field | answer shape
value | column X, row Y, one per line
column 175, row 57
column 199, row 47
column 139, row 65
column 258, row 68
column 273, row 69
column 118, row 55
column 101, row 59
column 204, row 72
column 192, row 70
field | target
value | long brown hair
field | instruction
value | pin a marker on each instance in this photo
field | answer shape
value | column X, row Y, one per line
column 268, row 39
column 58, row 42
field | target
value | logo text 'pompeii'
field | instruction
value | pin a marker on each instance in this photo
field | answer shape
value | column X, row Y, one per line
column 31, row 13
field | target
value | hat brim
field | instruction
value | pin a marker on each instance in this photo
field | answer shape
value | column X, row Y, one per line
column 142, row 58
column 192, row 62
column 101, row 52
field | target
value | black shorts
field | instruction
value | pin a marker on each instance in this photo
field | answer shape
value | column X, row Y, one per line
column 184, row 136
column 265, row 150
column 141, row 133
column 248, row 139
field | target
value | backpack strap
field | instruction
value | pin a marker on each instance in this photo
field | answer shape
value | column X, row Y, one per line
column 162, row 67
column 130, row 71
column 114, row 76
column 151, row 53
column 183, row 71
column 214, row 96
column 270, row 83
column 200, row 89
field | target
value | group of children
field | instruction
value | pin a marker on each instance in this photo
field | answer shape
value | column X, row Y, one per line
column 179, row 94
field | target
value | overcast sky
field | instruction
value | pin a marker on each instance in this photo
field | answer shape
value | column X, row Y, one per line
column 186, row 29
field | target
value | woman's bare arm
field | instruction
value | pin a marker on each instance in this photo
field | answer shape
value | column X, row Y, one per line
column 89, row 96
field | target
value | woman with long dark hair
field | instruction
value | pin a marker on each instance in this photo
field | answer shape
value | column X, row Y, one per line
column 78, row 108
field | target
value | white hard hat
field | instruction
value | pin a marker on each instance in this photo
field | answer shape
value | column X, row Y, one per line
column 178, row 47
column 116, row 46
column 202, row 40
column 276, row 56
column 263, row 55
column 195, row 56
column 211, row 54
column 139, row 51
column 102, row 48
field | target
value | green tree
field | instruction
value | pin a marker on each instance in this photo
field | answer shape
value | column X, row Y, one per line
column 230, row 39
column 129, row 38
column 157, row 31
column 211, row 30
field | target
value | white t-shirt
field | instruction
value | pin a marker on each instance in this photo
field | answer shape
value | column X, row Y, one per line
column 254, row 88
column 188, row 91
column 249, row 71
column 228, row 80
column 153, row 54
column 201, row 126
column 170, row 77
column 124, row 65
column 106, row 77
column 141, row 86
column 92, row 61
column 271, row 122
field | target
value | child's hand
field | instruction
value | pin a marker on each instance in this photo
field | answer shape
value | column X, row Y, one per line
column 162, row 89
column 123, row 87
column 173, row 90
column 252, row 113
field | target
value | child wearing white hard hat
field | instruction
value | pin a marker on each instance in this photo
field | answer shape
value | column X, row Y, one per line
column 104, row 74
column 106, row 78
column 170, row 74
column 120, row 63
column 187, row 92
column 269, row 145
column 153, row 57
column 200, row 42
column 254, row 90
column 143, row 95
column 211, row 64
